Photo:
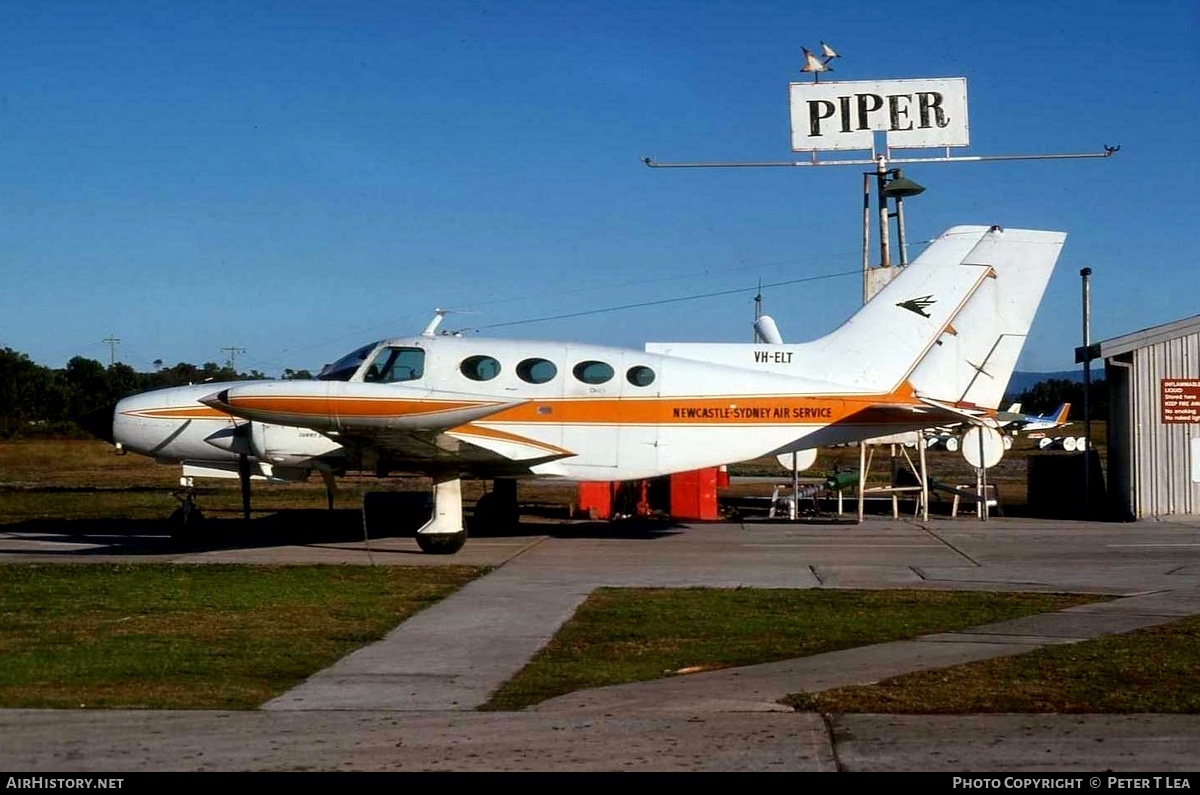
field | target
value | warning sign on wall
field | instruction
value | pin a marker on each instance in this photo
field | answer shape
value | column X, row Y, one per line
column 1180, row 400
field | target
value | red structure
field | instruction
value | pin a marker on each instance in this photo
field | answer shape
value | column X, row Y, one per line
column 685, row 495
column 595, row 500
column 694, row 495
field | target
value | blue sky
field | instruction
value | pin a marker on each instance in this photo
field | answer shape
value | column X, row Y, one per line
column 297, row 178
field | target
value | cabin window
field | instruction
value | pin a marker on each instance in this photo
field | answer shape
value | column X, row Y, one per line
column 640, row 376
column 480, row 368
column 536, row 371
column 396, row 364
column 593, row 372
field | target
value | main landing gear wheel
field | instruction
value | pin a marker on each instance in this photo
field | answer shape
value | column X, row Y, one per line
column 186, row 516
column 441, row 543
column 186, row 522
column 495, row 513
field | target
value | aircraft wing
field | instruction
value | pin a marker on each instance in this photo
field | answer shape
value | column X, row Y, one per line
column 404, row 429
column 973, row 415
column 468, row 449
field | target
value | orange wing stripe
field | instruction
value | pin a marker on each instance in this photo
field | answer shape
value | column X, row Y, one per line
column 181, row 413
column 351, row 407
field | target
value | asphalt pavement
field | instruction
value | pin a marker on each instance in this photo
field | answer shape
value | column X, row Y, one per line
column 409, row 702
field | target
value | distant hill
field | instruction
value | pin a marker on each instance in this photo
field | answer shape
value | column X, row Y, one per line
column 1023, row 381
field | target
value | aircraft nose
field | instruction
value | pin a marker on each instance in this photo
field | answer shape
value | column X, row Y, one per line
column 99, row 422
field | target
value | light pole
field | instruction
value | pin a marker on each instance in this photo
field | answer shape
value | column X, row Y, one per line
column 1086, row 275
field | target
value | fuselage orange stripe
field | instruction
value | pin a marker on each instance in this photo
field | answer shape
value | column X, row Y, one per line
column 700, row 410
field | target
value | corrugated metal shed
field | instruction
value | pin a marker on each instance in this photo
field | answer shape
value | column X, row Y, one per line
column 1152, row 455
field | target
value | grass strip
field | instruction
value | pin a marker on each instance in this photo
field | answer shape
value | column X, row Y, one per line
column 625, row 635
column 193, row 636
column 1151, row 670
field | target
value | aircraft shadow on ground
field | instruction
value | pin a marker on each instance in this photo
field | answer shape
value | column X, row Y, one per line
column 625, row 529
column 226, row 530
column 216, row 532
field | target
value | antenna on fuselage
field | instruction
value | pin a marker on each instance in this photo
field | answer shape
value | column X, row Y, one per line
column 439, row 315
column 765, row 329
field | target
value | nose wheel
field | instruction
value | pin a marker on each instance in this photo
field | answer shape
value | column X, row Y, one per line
column 441, row 543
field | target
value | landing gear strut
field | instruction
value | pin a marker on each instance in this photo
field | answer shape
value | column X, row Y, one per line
column 444, row 533
column 187, row 517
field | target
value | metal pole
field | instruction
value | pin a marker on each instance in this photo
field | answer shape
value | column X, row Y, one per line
column 758, row 312
column 924, row 478
column 795, row 512
column 983, row 506
column 112, row 349
column 1109, row 151
column 866, row 233
column 1086, row 274
column 884, row 232
column 903, row 252
column 862, row 477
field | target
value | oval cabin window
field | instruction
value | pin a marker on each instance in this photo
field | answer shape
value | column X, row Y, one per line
column 480, row 368
column 640, row 376
column 536, row 371
column 593, row 372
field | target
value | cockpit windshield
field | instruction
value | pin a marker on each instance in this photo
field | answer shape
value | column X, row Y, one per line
column 345, row 368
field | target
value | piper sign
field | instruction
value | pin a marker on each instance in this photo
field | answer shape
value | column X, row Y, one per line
column 915, row 114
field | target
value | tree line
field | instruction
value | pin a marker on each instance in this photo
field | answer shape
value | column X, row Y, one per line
column 41, row 401
column 1045, row 396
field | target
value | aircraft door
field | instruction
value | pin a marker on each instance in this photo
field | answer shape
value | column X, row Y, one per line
column 593, row 410
column 637, row 430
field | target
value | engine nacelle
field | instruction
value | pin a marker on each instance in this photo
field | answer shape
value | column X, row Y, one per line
column 172, row 425
column 288, row 446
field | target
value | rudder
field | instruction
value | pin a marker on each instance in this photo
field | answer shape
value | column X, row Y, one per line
column 974, row 357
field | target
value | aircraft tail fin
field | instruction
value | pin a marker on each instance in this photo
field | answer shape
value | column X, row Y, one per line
column 950, row 324
column 974, row 357
column 877, row 348
column 953, row 322
column 1060, row 418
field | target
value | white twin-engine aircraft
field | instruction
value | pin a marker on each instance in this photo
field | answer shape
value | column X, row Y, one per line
column 936, row 345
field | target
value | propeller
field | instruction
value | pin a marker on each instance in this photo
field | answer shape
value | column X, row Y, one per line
column 242, row 431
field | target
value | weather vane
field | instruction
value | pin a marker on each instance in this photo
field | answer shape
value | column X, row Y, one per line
column 815, row 64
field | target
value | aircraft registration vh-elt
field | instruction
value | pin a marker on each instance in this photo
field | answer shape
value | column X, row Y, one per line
column 936, row 345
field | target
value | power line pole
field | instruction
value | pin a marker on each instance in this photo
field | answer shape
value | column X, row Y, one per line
column 233, row 351
column 112, row 348
column 1086, row 275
